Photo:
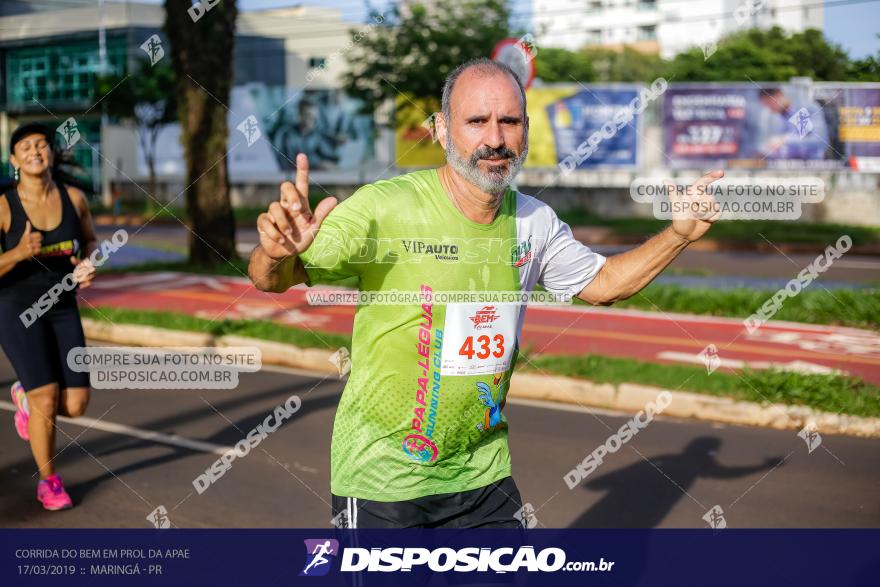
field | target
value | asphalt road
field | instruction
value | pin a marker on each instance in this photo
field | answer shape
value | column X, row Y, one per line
column 669, row 475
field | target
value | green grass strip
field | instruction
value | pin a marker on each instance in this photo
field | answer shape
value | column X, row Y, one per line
column 262, row 329
column 829, row 393
column 857, row 308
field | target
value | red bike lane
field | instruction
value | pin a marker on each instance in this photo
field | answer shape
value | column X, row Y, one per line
column 567, row 330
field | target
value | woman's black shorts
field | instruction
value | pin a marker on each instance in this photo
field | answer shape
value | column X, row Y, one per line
column 38, row 353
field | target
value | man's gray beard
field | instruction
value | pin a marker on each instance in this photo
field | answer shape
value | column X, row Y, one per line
column 490, row 182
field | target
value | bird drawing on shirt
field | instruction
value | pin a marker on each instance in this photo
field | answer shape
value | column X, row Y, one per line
column 493, row 404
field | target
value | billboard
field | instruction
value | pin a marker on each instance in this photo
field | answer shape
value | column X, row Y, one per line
column 561, row 117
column 268, row 126
column 772, row 126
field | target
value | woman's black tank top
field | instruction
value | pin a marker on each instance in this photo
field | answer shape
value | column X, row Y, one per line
column 30, row 279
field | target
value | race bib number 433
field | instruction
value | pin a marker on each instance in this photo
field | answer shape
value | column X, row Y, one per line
column 478, row 339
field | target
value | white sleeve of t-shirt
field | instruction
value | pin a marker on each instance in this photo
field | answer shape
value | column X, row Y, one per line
column 567, row 265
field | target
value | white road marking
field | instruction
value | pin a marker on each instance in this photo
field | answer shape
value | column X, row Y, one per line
column 792, row 366
column 170, row 439
column 663, row 316
column 857, row 264
column 159, row 437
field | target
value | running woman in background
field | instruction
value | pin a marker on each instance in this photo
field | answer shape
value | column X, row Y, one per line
column 46, row 232
column 420, row 435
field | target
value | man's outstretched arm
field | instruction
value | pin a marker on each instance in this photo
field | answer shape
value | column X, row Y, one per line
column 626, row 274
column 287, row 230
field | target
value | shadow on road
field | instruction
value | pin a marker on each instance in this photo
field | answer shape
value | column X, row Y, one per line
column 109, row 444
column 642, row 494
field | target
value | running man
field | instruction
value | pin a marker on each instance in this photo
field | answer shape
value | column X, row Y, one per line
column 319, row 552
column 420, row 436
column 46, row 232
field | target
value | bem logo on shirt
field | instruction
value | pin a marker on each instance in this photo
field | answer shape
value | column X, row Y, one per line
column 484, row 317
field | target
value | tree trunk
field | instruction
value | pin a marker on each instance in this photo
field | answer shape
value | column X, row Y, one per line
column 201, row 54
column 150, row 155
column 151, row 165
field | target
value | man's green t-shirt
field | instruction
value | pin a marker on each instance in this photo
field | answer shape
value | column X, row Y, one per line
column 422, row 412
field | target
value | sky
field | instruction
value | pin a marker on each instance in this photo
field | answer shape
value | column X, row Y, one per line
column 853, row 26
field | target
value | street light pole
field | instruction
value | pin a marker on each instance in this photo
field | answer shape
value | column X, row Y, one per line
column 106, row 197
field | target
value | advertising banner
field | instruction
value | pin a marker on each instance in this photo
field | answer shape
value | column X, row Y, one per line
column 560, row 119
column 268, row 126
column 772, row 126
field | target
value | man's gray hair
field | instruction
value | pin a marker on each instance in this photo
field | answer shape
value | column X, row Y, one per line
column 484, row 66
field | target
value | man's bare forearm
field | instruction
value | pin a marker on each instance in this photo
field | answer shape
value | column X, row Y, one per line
column 275, row 275
column 626, row 274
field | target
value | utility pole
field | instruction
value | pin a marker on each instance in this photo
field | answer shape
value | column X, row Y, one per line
column 104, row 177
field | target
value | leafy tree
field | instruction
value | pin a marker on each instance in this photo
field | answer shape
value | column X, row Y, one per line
column 418, row 45
column 866, row 69
column 561, row 65
column 815, row 56
column 764, row 55
column 201, row 56
column 146, row 97
column 625, row 65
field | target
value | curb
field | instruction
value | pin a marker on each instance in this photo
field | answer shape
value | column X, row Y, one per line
column 625, row 397
column 274, row 353
column 628, row 397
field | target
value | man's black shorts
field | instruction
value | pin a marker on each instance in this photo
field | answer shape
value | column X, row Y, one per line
column 494, row 506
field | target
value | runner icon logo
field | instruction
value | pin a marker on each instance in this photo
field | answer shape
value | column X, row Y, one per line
column 715, row 518
column 526, row 516
column 340, row 520
column 710, row 358
column 159, row 518
column 811, row 437
column 320, row 553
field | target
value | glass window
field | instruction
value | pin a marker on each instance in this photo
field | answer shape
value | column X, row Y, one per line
column 70, row 67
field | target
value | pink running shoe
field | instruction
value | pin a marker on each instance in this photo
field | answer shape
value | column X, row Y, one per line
column 21, row 415
column 50, row 492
